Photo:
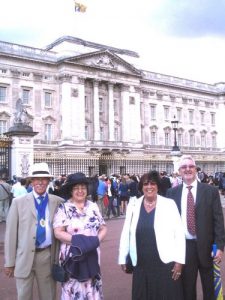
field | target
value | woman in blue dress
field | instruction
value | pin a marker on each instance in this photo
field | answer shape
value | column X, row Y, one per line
column 153, row 235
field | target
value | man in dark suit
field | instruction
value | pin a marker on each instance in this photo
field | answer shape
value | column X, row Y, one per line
column 207, row 228
column 165, row 183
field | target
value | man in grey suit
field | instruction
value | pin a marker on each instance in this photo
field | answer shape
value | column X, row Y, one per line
column 5, row 195
column 30, row 246
column 201, row 213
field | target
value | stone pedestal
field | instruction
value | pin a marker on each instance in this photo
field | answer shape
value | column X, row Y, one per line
column 22, row 152
column 175, row 159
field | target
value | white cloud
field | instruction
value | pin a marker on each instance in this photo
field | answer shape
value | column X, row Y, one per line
column 156, row 29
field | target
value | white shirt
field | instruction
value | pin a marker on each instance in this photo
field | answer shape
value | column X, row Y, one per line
column 184, row 206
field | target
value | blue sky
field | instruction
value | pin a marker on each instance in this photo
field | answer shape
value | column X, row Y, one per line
column 184, row 38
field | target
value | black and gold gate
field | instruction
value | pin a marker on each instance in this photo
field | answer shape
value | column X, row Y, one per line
column 66, row 163
column 5, row 157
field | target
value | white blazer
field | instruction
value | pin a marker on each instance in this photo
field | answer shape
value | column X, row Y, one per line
column 170, row 237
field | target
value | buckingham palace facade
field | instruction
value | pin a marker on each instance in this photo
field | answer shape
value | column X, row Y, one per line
column 96, row 110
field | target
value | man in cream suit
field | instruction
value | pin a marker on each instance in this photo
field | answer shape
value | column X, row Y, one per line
column 30, row 246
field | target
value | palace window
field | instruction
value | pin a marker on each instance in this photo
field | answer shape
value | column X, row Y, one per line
column 166, row 113
column 100, row 105
column 116, row 134
column 179, row 114
column 48, row 132
column 26, row 96
column 3, row 126
column 202, row 116
column 101, row 133
column 213, row 118
column 48, row 99
column 153, row 138
column 214, row 144
column 2, row 94
column 203, row 139
column 191, row 116
column 152, row 112
column 192, row 139
column 86, row 132
column 167, row 139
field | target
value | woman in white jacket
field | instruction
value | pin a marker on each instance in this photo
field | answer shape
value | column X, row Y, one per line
column 153, row 235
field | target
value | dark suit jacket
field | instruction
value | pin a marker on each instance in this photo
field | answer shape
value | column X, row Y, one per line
column 209, row 219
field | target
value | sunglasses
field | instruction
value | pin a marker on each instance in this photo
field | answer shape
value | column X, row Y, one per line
column 184, row 167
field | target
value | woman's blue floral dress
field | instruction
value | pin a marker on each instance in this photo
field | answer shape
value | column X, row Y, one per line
column 86, row 222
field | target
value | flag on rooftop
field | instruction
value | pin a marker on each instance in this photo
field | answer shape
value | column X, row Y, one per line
column 79, row 7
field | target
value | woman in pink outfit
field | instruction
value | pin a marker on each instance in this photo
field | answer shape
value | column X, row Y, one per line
column 79, row 216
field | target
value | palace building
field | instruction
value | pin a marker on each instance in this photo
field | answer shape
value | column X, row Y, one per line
column 96, row 110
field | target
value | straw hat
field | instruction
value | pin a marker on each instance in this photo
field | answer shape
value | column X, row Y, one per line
column 40, row 170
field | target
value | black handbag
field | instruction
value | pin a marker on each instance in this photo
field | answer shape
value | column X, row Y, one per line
column 129, row 266
column 59, row 274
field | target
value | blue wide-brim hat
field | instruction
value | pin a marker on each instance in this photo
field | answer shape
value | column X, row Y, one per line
column 75, row 178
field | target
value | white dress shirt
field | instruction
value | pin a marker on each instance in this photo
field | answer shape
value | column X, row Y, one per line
column 184, row 207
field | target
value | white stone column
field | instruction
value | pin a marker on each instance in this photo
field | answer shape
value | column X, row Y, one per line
column 111, row 113
column 78, row 109
column 66, row 108
column 135, row 117
column 96, row 111
column 125, row 119
column 176, row 159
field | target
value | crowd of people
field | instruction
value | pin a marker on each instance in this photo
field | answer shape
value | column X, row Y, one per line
column 171, row 223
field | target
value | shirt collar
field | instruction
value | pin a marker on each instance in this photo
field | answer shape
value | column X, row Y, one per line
column 193, row 184
column 36, row 195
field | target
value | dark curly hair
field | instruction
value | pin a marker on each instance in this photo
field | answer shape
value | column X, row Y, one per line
column 152, row 176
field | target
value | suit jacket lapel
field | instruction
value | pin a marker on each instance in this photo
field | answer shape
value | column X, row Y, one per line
column 51, row 205
column 178, row 197
column 199, row 194
column 31, row 204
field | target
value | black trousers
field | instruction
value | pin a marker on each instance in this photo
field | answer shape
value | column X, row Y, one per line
column 190, row 274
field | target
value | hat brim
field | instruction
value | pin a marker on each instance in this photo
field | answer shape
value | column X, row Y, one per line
column 41, row 176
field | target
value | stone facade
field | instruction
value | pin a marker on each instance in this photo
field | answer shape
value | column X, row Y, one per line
column 90, row 100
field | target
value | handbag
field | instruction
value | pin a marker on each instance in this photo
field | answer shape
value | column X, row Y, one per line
column 115, row 202
column 58, row 271
column 59, row 274
column 10, row 194
column 106, row 201
column 129, row 266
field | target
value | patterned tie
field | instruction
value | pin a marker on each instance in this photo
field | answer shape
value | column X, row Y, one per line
column 190, row 212
column 41, row 227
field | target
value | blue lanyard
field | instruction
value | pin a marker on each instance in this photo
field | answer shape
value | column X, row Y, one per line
column 41, row 207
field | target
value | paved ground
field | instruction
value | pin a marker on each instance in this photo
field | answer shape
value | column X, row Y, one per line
column 117, row 285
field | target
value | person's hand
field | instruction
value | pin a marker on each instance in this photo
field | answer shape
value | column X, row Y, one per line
column 124, row 268
column 218, row 257
column 176, row 271
column 9, row 271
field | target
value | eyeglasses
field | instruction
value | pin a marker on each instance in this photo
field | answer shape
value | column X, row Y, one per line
column 77, row 188
column 184, row 167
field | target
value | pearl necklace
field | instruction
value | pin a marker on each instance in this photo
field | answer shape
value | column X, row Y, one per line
column 149, row 204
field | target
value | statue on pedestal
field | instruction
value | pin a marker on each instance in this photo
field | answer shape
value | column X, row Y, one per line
column 21, row 115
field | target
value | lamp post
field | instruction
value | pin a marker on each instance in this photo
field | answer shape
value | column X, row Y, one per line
column 175, row 128
column 175, row 152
